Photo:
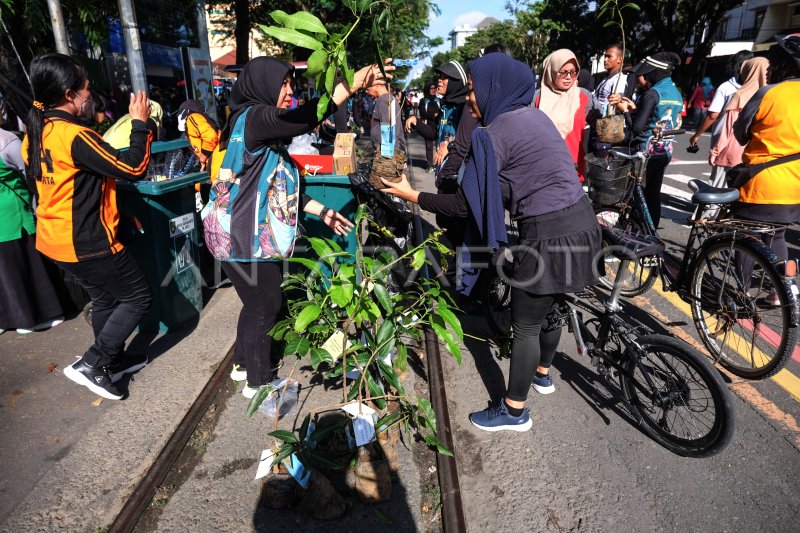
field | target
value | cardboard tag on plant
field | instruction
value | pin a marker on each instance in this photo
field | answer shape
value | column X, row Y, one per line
column 264, row 464
column 336, row 344
column 363, row 422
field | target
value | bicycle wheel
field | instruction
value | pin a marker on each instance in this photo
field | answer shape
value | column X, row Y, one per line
column 677, row 397
column 741, row 327
column 640, row 277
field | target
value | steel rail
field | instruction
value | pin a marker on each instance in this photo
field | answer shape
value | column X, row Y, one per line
column 453, row 520
column 142, row 495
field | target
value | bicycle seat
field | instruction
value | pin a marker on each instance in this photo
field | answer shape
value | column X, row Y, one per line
column 706, row 194
column 625, row 243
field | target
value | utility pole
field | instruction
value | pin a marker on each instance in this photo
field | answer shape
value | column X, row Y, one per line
column 59, row 27
column 133, row 46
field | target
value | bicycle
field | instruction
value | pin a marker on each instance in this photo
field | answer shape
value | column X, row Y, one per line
column 727, row 275
column 674, row 394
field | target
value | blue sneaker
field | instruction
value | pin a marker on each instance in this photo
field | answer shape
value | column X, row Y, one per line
column 543, row 385
column 497, row 418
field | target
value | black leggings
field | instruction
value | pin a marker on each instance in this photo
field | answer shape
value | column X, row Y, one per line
column 654, row 177
column 258, row 285
column 532, row 347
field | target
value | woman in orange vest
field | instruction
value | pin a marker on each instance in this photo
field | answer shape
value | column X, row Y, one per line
column 75, row 172
column 201, row 129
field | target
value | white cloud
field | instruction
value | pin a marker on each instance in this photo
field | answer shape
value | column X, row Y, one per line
column 472, row 18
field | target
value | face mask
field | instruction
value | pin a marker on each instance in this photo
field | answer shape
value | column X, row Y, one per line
column 86, row 110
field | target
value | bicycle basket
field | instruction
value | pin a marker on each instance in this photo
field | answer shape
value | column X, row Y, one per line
column 609, row 182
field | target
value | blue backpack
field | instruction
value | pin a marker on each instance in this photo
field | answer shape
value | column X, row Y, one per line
column 252, row 210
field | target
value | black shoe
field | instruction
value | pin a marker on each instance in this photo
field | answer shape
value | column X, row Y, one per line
column 96, row 380
column 127, row 364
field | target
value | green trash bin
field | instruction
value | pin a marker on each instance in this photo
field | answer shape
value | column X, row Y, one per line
column 168, row 250
column 333, row 191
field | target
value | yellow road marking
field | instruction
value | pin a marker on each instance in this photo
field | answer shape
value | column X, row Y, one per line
column 785, row 379
column 743, row 388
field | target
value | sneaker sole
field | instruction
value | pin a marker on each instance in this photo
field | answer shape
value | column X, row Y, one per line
column 519, row 427
column 80, row 379
column 544, row 390
column 135, row 368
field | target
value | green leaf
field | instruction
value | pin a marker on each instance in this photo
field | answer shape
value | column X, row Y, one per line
column 450, row 342
column 322, row 106
column 382, row 517
column 444, row 311
column 316, row 63
column 348, row 289
column 303, row 20
column 319, row 356
column 330, row 78
column 349, row 75
column 388, row 375
column 322, row 247
column 285, row 436
column 304, row 426
column 309, row 263
column 350, row 4
column 427, row 411
column 388, row 420
column 432, row 440
column 256, row 401
column 630, row 5
column 375, row 390
column 307, row 316
column 292, row 37
column 401, row 361
column 338, row 295
column 298, row 345
column 285, row 451
column 385, row 331
column 352, row 394
column 419, row 259
column 384, row 298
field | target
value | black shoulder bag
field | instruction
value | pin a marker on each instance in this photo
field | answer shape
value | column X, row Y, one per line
column 741, row 174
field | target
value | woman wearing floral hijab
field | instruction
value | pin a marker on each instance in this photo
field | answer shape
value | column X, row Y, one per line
column 564, row 102
column 519, row 162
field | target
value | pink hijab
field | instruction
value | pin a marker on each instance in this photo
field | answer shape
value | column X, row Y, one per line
column 557, row 104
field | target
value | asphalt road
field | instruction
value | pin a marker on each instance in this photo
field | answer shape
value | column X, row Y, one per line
column 585, row 467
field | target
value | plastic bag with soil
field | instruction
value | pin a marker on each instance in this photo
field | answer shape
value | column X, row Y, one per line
column 373, row 480
column 386, row 168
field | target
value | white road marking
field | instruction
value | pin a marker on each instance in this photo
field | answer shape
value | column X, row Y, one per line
column 683, row 178
column 672, row 191
column 674, row 162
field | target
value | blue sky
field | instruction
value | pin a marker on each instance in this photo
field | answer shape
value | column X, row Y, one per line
column 457, row 12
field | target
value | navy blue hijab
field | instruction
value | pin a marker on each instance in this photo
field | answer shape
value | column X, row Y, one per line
column 501, row 84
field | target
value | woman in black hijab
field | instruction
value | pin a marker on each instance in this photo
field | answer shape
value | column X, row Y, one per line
column 261, row 97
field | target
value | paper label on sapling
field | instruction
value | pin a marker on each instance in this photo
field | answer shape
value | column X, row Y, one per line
column 387, row 140
column 363, row 422
column 264, row 463
column 336, row 344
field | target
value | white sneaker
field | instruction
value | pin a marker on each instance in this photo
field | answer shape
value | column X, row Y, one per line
column 40, row 327
column 238, row 373
column 2, row 331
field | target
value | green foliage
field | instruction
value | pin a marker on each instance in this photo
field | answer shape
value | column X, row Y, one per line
column 348, row 297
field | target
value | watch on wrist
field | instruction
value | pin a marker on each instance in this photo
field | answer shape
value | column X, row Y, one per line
column 322, row 212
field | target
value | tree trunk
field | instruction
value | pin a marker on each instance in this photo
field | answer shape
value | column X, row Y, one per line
column 241, row 10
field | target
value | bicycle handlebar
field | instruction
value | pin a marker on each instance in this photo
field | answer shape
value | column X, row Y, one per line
column 673, row 132
column 641, row 155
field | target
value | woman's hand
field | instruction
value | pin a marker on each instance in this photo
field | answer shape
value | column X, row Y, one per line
column 371, row 75
column 626, row 104
column 712, row 157
column 614, row 98
column 402, row 189
column 139, row 107
column 441, row 153
column 410, row 123
column 337, row 222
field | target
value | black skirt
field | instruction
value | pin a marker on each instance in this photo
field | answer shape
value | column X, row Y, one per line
column 556, row 252
column 28, row 297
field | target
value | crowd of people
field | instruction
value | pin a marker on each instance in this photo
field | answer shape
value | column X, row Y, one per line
column 496, row 141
